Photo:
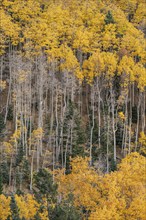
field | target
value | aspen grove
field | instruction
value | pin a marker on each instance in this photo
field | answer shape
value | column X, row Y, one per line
column 72, row 110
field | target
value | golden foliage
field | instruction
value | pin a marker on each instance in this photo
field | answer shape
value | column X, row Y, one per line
column 65, row 31
column 117, row 195
column 2, row 84
column 121, row 115
column 142, row 141
column 5, row 210
column 27, row 205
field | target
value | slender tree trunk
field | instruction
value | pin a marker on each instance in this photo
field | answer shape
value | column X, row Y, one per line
column 99, row 116
column 93, row 123
column 138, row 117
column 113, row 123
column 57, row 126
column 143, row 119
column 107, row 145
column 31, row 171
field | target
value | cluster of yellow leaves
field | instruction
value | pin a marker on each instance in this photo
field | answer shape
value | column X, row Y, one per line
column 126, row 67
column 140, row 75
column 37, row 134
column 124, row 191
column 82, row 183
column 121, row 115
column 43, row 214
column 69, row 61
column 9, row 147
column 132, row 72
column 100, row 63
column 9, row 30
column 5, row 210
column 118, row 195
column 15, row 136
column 130, row 6
column 140, row 15
column 142, row 141
column 93, row 66
column 36, row 137
column 108, row 38
column 2, row 84
column 27, row 205
column 68, row 31
column 134, row 8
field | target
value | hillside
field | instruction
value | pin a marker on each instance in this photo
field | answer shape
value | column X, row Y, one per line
column 72, row 109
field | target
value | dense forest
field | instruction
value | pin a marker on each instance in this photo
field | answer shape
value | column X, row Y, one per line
column 72, row 110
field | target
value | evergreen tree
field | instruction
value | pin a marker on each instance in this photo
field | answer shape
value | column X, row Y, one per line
column 4, row 171
column 10, row 113
column 25, row 167
column 66, row 210
column 14, row 209
column 20, row 154
column 1, row 184
column 134, row 114
column 43, row 181
column 109, row 18
column 79, row 138
column 2, row 125
column 45, row 188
